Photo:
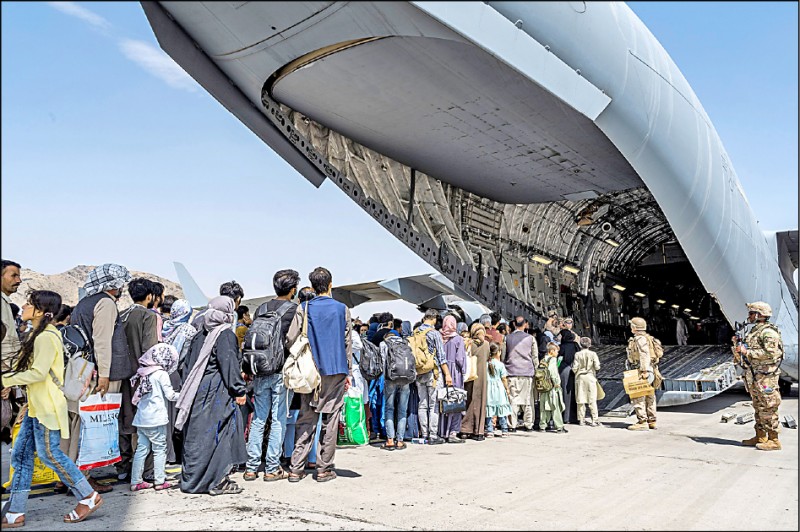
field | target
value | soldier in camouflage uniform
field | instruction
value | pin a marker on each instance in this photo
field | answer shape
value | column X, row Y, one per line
column 639, row 358
column 761, row 356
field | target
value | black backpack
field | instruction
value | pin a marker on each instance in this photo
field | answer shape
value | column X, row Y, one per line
column 370, row 364
column 262, row 348
column 76, row 343
column 401, row 366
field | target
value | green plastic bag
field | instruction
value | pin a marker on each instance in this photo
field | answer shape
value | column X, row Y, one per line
column 355, row 423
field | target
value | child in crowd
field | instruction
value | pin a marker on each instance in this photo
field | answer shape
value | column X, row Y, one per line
column 551, row 403
column 497, row 402
column 152, row 389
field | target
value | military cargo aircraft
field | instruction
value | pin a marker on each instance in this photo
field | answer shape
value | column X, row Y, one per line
column 542, row 156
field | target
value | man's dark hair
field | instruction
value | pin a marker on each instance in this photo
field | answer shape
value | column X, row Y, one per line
column 284, row 281
column 320, row 279
column 63, row 313
column 158, row 291
column 232, row 289
column 495, row 316
column 519, row 322
column 501, row 328
column 7, row 263
column 397, row 324
column 306, row 294
column 374, row 318
column 386, row 317
column 140, row 288
column 431, row 314
column 166, row 305
column 241, row 311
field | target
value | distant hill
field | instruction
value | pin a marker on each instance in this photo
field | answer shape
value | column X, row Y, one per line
column 66, row 284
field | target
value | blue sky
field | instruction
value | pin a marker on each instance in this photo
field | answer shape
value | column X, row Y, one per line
column 111, row 154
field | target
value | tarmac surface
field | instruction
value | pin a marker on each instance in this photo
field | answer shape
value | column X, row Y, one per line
column 690, row 474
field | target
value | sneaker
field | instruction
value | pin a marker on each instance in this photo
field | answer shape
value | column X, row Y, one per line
column 123, row 475
column 490, row 434
column 435, row 440
column 454, row 439
column 141, row 486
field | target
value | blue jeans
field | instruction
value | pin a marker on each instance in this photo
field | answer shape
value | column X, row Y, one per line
column 155, row 438
column 288, row 441
column 391, row 390
column 501, row 420
column 270, row 394
column 33, row 437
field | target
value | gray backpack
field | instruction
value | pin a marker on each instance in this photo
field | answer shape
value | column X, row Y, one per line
column 401, row 367
column 262, row 349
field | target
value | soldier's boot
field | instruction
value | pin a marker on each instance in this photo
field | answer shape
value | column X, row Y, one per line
column 772, row 444
column 760, row 437
column 639, row 425
column 651, row 425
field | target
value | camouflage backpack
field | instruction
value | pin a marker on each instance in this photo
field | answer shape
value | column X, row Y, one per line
column 656, row 350
column 541, row 378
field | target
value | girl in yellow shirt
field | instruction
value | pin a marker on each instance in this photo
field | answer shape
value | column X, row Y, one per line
column 46, row 420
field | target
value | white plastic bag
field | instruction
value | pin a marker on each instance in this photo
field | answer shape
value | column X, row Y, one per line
column 99, row 438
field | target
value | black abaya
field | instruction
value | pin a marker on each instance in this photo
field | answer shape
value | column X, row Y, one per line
column 213, row 435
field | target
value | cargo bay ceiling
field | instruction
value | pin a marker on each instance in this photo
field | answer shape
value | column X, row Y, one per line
column 493, row 180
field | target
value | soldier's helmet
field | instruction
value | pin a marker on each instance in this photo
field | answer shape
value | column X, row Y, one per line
column 639, row 324
column 762, row 308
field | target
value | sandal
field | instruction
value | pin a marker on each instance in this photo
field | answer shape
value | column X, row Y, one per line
column 295, row 477
column 165, row 486
column 141, row 486
column 387, row 447
column 400, row 445
column 278, row 474
column 18, row 520
column 325, row 476
column 98, row 487
column 92, row 502
column 250, row 475
column 227, row 487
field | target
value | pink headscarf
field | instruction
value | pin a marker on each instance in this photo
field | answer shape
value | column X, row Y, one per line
column 448, row 328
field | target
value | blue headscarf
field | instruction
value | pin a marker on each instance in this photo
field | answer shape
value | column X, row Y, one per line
column 405, row 329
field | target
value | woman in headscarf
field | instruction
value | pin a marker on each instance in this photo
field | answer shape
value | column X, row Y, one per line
column 178, row 333
column 475, row 416
column 208, row 408
column 450, row 424
column 405, row 329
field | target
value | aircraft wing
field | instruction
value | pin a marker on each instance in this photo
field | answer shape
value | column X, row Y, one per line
column 428, row 291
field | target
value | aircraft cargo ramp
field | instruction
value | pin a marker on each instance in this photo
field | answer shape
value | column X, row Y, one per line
column 691, row 373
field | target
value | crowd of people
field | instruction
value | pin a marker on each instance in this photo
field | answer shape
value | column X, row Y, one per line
column 195, row 390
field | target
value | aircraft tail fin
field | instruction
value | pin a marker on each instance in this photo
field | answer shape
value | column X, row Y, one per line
column 191, row 290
